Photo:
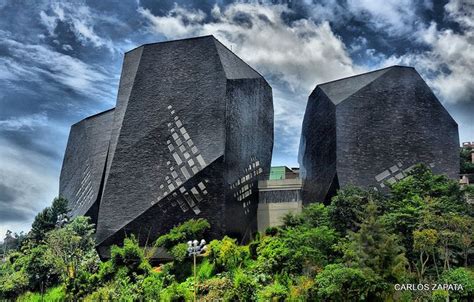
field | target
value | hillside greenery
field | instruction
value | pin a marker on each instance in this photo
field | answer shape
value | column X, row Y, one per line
column 355, row 249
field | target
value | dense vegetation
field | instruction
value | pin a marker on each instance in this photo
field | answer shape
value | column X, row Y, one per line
column 355, row 249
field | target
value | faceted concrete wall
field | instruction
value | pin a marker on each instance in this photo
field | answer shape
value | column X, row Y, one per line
column 191, row 133
column 370, row 129
column 84, row 163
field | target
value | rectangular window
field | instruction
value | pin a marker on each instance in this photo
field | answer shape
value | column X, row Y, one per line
column 201, row 160
column 201, row 186
column 177, row 158
column 185, row 172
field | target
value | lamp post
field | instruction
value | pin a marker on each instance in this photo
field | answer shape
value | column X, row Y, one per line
column 195, row 248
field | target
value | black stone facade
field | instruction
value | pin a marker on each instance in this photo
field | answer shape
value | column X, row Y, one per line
column 190, row 136
column 81, row 177
column 371, row 129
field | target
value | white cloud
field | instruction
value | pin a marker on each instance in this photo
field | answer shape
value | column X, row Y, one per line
column 49, row 22
column 24, row 123
column 32, row 62
column 461, row 11
column 81, row 20
column 448, row 64
column 293, row 57
column 67, row 47
column 301, row 53
column 395, row 17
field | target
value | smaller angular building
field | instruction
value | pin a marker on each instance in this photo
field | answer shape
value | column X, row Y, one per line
column 81, row 178
column 370, row 130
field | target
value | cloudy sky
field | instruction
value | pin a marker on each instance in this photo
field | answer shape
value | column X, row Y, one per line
column 60, row 61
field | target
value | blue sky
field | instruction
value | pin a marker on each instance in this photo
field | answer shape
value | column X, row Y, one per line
column 60, row 61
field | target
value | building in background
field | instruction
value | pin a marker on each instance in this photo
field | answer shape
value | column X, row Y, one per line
column 467, row 164
column 371, row 129
column 469, row 146
column 190, row 136
column 279, row 195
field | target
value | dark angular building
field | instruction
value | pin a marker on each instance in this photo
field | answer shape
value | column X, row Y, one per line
column 191, row 133
column 84, row 163
column 371, row 129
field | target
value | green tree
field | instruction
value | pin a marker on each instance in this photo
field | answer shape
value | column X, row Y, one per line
column 461, row 276
column 296, row 248
column 425, row 242
column 70, row 244
column 129, row 258
column 340, row 283
column 418, row 201
column 225, row 254
column 466, row 164
column 188, row 230
column 316, row 215
column 46, row 220
column 13, row 280
column 375, row 248
column 422, row 185
column 347, row 207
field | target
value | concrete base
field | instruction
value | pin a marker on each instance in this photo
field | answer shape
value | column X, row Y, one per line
column 271, row 214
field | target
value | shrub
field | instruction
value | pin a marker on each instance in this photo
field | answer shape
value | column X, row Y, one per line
column 130, row 256
column 340, row 283
column 205, row 270
column 273, row 292
column 225, row 254
column 302, row 290
column 216, row 289
column 151, row 287
column 189, row 230
column 55, row 294
column 13, row 284
column 245, row 286
column 460, row 276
